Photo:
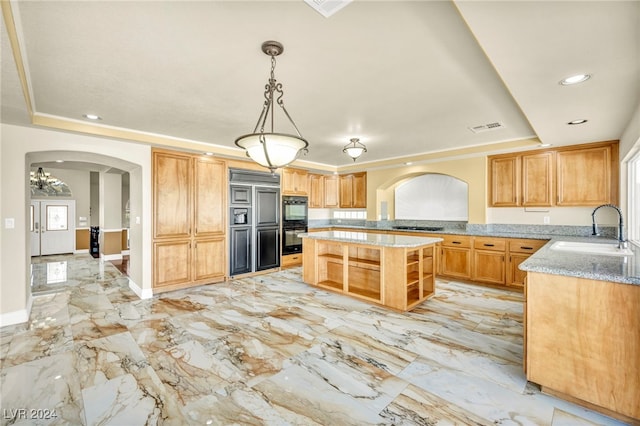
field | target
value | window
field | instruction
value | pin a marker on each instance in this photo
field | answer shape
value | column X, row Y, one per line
column 633, row 232
column 57, row 218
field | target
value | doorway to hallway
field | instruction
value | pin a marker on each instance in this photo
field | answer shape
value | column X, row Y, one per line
column 52, row 227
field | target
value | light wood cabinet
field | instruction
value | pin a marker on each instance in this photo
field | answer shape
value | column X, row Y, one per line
column 583, row 342
column 396, row 277
column 316, row 191
column 332, row 191
column 519, row 251
column 455, row 256
column 189, row 220
column 521, row 180
column 290, row 260
column 578, row 175
column 294, row 182
column 588, row 176
column 353, row 190
column 489, row 260
column 323, row 191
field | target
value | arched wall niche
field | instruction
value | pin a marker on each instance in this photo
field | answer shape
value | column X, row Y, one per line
column 432, row 196
column 381, row 185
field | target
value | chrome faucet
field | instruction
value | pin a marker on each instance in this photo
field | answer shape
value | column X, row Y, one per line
column 621, row 241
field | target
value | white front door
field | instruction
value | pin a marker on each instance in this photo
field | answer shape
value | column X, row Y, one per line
column 53, row 227
column 35, row 228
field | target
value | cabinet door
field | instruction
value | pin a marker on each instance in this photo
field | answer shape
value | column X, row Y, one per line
column 584, row 177
column 316, row 191
column 516, row 276
column 346, row 191
column 172, row 262
column 331, row 191
column 294, row 181
column 537, row 179
column 488, row 266
column 504, row 186
column 240, row 242
column 456, row 262
column 268, row 248
column 209, row 196
column 359, row 190
column 210, row 259
column 171, row 195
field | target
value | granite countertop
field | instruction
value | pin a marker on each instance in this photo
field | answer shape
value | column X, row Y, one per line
column 384, row 240
column 619, row 269
column 449, row 231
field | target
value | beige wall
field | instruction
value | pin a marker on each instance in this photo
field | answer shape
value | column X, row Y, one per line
column 20, row 146
column 381, row 184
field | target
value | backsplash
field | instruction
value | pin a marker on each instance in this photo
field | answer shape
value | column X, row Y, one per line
column 498, row 228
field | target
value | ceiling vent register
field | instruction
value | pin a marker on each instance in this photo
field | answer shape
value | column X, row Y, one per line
column 487, row 127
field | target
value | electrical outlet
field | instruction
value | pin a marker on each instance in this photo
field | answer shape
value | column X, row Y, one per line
column 547, row 220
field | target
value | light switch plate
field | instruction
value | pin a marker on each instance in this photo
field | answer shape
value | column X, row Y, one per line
column 9, row 223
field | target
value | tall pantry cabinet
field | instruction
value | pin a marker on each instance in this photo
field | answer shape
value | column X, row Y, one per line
column 189, row 213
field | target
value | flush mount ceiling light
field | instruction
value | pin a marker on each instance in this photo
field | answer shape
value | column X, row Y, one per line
column 574, row 122
column 266, row 147
column 354, row 149
column 575, row 79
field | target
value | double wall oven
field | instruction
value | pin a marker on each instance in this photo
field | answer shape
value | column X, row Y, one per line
column 294, row 222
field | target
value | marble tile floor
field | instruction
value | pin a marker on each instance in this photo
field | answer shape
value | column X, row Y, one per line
column 267, row 350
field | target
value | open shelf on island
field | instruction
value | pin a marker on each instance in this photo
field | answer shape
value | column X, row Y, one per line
column 398, row 277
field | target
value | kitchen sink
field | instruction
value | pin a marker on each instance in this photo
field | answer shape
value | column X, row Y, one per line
column 605, row 249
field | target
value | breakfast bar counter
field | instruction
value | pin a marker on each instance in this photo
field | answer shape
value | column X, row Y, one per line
column 395, row 271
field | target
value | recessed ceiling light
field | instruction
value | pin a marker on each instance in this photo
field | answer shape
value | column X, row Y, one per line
column 408, row 163
column 574, row 122
column 92, row 117
column 575, row 79
column 544, row 145
column 59, row 161
column 208, row 153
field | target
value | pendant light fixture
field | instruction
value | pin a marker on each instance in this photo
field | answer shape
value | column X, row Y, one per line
column 265, row 146
column 39, row 179
column 354, row 149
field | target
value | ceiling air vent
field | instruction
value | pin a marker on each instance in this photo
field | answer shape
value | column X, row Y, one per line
column 327, row 7
column 486, row 127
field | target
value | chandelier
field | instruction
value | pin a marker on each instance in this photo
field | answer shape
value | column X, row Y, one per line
column 354, row 149
column 39, row 179
column 265, row 146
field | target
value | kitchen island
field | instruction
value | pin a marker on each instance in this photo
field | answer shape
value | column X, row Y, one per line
column 395, row 271
column 582, row 328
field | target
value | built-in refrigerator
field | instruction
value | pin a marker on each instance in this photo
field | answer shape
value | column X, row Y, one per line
column 254, row 225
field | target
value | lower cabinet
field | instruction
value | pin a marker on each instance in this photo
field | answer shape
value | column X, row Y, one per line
column 489, row 260
column 455, row 256
column 291, row 260
column 519, row 251
column 186, row 261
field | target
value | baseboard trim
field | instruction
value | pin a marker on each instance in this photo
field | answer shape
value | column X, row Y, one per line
column 81, row 251
column 17, row 317
column 143, row 293
column 117, row 256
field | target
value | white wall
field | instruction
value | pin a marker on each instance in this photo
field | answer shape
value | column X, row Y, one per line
column 111, row 205
column 21, row 146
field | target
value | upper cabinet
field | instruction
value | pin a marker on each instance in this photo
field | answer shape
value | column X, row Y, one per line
column 353, row 190
column 323, row 191
column 588, row 176
column 578, row 175
column 294, row 182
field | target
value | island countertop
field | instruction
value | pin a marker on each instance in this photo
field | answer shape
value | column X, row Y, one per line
column 382, row 240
